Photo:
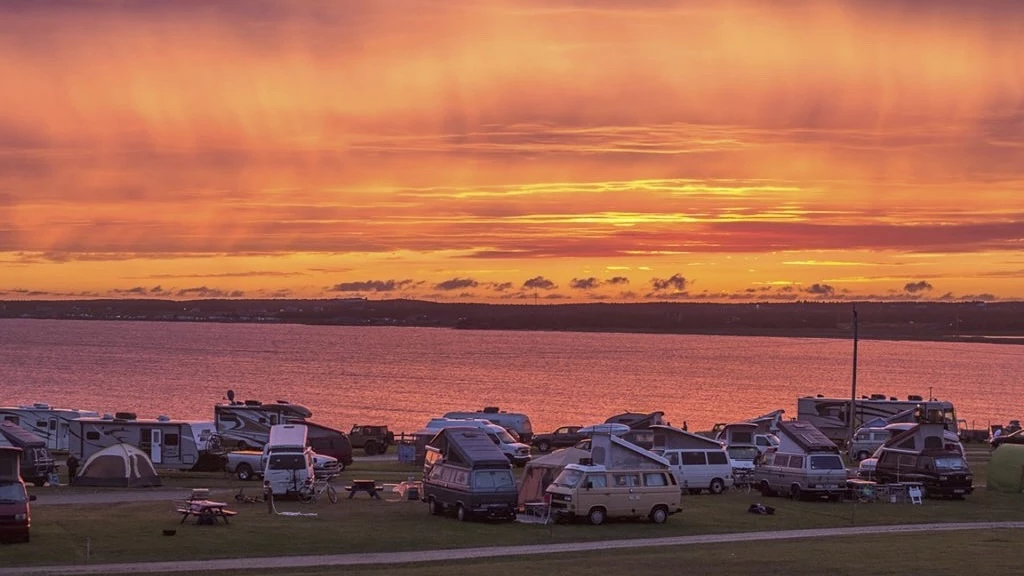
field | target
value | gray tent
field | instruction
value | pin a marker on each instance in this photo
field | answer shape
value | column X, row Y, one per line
column 121, row 465
column 542, row 471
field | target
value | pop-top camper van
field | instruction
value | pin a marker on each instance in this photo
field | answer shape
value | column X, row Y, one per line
column 806, row 463
column 49, row 423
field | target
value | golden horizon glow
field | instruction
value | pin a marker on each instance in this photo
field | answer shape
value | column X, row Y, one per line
column 620, row 150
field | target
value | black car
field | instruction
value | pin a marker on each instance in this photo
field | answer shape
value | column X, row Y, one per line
column 1014, row 438
column 563, row 437
column 940, row 472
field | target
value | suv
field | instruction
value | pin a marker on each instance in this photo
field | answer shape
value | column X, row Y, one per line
column 941, row 472
column 561, row 438
column 372, row 439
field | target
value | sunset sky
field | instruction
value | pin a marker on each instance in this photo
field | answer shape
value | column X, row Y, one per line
column 490, row 151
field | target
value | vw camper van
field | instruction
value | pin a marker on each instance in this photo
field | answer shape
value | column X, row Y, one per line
column 806, row 463
column 15, row 516
column 466, row 473
column 597, row 493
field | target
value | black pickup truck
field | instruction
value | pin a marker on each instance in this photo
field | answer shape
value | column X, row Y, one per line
column 561, row 438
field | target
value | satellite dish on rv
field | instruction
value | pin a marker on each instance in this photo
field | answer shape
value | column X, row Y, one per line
column 231, row 395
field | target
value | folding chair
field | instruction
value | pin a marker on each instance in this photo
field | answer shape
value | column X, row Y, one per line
column 915, row 494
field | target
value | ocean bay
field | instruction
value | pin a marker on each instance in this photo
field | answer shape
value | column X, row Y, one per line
column 404, row 376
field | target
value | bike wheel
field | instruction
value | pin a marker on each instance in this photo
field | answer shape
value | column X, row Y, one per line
column 305, row 496
column 332, row 494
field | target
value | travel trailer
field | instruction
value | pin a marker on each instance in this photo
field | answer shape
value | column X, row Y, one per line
column 806, row 463
column 620, row 480
column 925, row 454
column 37, row 464
column 15, row 515
column 245, row 425
column 288, row 458
column 465, row 472
column 832, row 415
column 49, row 423
column 516, row 421
column 699, row 463
column 168, row 443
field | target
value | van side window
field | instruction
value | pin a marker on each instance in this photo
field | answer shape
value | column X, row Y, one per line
column 92, row 435
column 781, row 460
column 718, row 458
column 693, row 459
column 673, row 458
column 908, row 460
column 796, row 461
column 627, row 479
column 596, row 481
column 655, row 479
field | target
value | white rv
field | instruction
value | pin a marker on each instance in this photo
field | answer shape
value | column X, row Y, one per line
column 832, row 415
column 288, row 458
column 49, row 423
column 520, row 423
column 168, row 443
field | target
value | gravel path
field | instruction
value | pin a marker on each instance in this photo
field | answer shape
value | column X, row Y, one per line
column 266, row 564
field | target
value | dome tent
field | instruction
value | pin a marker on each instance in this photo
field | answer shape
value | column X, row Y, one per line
column 120, row 465
column 1006, row 469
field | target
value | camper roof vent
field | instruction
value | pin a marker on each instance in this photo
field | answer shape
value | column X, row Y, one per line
column 914, row 398
column 163, row 418
column 878, row 396
column 124, row 416
column 490, row 409
column 41, row 405
column 253, row 403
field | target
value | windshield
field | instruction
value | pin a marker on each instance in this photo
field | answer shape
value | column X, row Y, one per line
column 830, row 462
column 569, row 478
column 11, row 493
column 950, row 463
column 504, row 436
column 493, row 480
column 743, row 452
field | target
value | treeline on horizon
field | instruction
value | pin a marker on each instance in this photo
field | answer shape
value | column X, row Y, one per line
column 925, row 320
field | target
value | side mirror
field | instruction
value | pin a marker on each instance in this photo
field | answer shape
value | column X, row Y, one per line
column 32, row 498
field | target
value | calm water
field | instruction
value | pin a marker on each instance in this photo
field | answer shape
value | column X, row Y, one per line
column 404, row 376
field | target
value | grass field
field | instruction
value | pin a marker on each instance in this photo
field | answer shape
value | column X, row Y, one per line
column 133, row 531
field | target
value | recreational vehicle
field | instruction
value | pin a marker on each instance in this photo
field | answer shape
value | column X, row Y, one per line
column 49, row 423
column 37, row 464
column 832, row 415
column 464, row 471
column 699, row 463
column 806, row 463
column 246, row 425
column 520, row 423
column 168, row 443
column 15, row 515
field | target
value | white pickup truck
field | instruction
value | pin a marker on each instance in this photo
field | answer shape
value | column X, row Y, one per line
column 249, row 464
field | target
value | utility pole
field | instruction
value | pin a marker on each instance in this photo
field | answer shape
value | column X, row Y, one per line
column 853, row 388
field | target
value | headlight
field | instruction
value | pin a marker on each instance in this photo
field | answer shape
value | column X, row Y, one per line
column 568, row 498
column 20, row 517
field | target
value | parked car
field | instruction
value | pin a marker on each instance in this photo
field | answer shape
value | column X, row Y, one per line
column 373, row 439
column 1012, row 438
column 563, row 437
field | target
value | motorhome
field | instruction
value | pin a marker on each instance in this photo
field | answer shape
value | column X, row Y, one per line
column 49, row 423
column 832, row 415
column 925, row 454
column 806, row 463
column 37, row 464
column 15, row 513
column 699, row 463
column 515, row 421
column 245, row 425
column 465, row 472
column 168, row 443
column 288, row 459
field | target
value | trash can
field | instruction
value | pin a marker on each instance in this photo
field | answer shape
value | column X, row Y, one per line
column 407, row 453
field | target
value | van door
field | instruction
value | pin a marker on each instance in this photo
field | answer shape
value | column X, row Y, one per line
column 625, row 494
column 695, row 469
column 592, row 491
column 156, row 440
column 54, row 432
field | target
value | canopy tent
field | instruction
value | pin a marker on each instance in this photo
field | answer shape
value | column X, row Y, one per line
column 542, row 471
column 1006, row 469
column 121, row 465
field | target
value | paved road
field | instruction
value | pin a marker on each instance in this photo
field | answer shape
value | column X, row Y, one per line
column 265, row 564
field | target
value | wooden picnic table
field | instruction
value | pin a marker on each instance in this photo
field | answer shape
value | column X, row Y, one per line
column 368, row 486
column 205, row 511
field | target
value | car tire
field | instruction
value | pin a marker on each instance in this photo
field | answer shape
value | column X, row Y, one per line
column 461, row 513
column 434, row 507
column 370, row 448
column 717, row 486
column 596, row 516
column 794, row 492
column 659, row 515
column 543, row 446
column 244, row 472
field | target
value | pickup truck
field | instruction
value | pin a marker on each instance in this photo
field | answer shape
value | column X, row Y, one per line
column 248, row 464
column 561, row 438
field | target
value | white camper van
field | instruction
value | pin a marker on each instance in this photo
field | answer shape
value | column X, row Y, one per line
column 288, row 458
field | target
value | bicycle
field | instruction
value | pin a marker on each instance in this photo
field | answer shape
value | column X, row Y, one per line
column 314, row 488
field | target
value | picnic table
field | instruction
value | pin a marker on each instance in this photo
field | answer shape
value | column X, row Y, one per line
column 205, row 511
column 368, row 486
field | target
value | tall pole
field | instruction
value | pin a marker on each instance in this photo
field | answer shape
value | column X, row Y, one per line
column 853, row 388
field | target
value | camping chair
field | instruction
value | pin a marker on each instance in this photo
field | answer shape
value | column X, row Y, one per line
column 915, row 494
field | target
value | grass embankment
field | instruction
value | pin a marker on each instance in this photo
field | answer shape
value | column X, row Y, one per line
column 129, row 532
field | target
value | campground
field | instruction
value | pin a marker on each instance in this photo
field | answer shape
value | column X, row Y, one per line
column 90, row 526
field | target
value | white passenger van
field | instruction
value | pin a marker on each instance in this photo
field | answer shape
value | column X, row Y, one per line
column 698, row 463
column 520, row 423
